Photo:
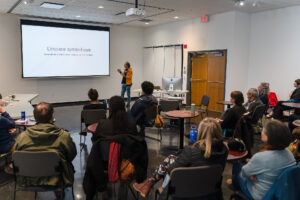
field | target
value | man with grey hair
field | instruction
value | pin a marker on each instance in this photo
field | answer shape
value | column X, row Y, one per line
column 253, row 100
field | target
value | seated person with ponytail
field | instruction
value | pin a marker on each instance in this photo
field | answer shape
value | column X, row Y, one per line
column 95, row 103
column 209, row 149
column 117, row 121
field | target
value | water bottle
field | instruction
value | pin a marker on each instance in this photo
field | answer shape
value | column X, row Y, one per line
column 193, row 134
column 192, row 109
column 23, row 115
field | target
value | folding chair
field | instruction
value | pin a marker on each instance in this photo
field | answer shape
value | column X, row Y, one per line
column 37, row 164
column 89, row 117
column 150, row 115
column 117, row 187
column 204, row 106
column 188, row 182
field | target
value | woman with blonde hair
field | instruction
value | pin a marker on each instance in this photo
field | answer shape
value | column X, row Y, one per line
column 207, row 150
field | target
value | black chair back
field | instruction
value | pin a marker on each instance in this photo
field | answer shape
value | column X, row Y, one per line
column 92, row 116
column 258, row 113
column 205, row 100
column 192, row 182
column 36, row 163
column 150, row 114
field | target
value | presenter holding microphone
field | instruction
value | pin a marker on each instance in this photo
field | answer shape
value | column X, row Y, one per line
column 126, row 81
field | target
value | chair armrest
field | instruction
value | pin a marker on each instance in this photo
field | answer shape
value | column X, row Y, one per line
column 238, row 195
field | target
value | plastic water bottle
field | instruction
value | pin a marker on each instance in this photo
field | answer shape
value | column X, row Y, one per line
column 193, row 134
column 192, row 109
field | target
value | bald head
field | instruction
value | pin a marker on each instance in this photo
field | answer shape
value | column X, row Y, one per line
column 43, row 113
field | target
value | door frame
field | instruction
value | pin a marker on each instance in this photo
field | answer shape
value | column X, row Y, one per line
column 189, row 70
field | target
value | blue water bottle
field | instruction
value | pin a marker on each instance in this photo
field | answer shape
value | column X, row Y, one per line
column 193, row 134
column 23, row 115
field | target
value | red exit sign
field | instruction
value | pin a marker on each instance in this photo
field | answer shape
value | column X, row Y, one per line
column 204, row 19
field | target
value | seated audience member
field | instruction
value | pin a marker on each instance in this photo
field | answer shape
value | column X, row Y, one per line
column 95, row 104
column 117, row 123
column 253, row 100
column 256, row 177
column 294, row 97
column 264, row 90
column 144, row 101
column 7, row 127
column 45, row 136
column 294, row 147
column 209, row 149
column 231, row 116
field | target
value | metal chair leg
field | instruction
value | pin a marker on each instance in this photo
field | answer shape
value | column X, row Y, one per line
column 15, row 191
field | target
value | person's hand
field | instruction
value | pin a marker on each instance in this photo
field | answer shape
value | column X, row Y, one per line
column 2, row 109
column 119, row 70
column 3, row 103
column 219, row 120
column 12, row 130
column 253, row 178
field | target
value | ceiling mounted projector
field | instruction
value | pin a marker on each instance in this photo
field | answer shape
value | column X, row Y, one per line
column 135, row 12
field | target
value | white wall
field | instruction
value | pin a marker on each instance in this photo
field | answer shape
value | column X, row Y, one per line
column 224, row 31
column 275, row 49
column 126, row 45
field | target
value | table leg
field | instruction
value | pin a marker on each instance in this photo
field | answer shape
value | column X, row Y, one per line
column 181, row 138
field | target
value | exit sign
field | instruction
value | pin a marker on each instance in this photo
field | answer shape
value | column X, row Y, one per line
column 204, row 19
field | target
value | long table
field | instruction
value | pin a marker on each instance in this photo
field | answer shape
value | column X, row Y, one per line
column 161, row 93
column 21, row 102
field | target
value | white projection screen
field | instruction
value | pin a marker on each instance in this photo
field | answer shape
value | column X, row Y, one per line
column 52, row 49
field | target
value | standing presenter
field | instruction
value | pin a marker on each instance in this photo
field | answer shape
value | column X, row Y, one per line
column 126, row 81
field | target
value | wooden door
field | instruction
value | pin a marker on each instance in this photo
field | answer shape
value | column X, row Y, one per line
column 216, row 79
column 198, row 78
column 208, row 77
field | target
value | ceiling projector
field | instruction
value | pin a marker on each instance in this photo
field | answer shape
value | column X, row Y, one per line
column 135, row 12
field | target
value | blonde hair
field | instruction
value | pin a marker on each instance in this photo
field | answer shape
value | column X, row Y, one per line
column 209, row 130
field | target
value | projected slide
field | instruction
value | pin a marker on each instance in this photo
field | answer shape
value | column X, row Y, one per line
column 64, row 50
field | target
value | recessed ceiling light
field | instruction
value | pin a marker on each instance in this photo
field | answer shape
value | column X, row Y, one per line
column 100, row 7
column 176, row 17
column 242, row 3
column 147, row 23
column 78, row 16
column 52, row 5
column 255, row 4
column 25, row 2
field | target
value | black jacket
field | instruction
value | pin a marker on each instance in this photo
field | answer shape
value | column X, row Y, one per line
column 264, row 98
column 193, row 156
column 133, row 148
column 252, row 105
column 245, row 131
column 106, row 128
column 231, row 116
column 296, row 94
column 139, row 106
